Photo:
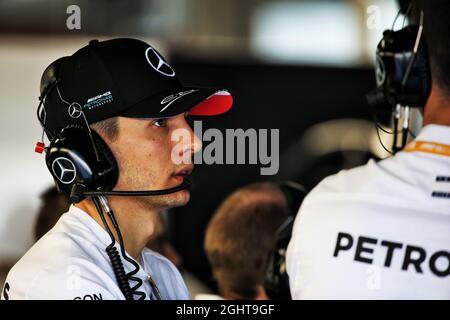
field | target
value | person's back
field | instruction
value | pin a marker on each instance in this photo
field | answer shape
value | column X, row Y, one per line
column 381, row 231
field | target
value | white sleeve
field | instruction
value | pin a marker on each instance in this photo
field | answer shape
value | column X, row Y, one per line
column 78, row 280
column 181, row 291
column 292, row 261
column 174, row 285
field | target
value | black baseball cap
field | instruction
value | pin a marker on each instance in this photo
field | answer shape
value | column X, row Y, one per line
column 121, row 77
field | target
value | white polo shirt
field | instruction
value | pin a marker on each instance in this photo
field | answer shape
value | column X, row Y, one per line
column 70, row 262
column 379, row 231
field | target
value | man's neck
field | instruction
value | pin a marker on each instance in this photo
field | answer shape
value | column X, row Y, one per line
column 260, row 295
column 136, row 221
column 437, row 109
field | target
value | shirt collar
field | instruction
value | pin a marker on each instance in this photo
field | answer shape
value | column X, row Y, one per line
column 434, row 133
column 94, row 228
column 100, row 234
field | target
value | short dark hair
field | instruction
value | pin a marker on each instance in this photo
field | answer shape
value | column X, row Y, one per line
column 436, row 27
column 108, row 127
column 241, row 235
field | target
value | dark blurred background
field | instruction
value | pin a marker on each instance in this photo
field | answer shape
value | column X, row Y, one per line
column 302, row 67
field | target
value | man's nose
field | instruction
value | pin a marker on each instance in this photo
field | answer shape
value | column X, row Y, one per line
column 196, row 143
column 193, row 144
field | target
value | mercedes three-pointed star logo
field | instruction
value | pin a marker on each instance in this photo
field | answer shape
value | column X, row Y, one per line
column 158, row 63
column 75, row 110
column 380, row 70
column 64, row 170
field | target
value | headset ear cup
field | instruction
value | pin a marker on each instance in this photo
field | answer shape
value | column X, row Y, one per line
column 70, row 160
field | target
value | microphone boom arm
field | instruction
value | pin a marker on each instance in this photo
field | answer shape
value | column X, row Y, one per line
column 185, row 185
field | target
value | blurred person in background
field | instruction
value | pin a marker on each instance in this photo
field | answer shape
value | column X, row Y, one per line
column 241, row 238
column 381, row 231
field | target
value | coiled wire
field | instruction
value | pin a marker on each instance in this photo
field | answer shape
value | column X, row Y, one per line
column 116, row 261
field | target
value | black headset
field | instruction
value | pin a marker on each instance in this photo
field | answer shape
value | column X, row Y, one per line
column 402, row 73
column 276, row 282
column 77, row 166
column 402, row 70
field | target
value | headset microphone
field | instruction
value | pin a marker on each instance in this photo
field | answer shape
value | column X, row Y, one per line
column 79, row 192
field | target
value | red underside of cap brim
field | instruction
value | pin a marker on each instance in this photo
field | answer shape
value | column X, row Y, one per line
column 216, row 104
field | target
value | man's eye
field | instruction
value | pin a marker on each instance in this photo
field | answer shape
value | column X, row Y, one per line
column 160, row 122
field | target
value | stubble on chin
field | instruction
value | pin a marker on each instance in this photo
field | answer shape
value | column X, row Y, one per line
column 134, row 179
column 167, row 201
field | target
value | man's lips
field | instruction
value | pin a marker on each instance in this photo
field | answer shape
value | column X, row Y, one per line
column 184, row 171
